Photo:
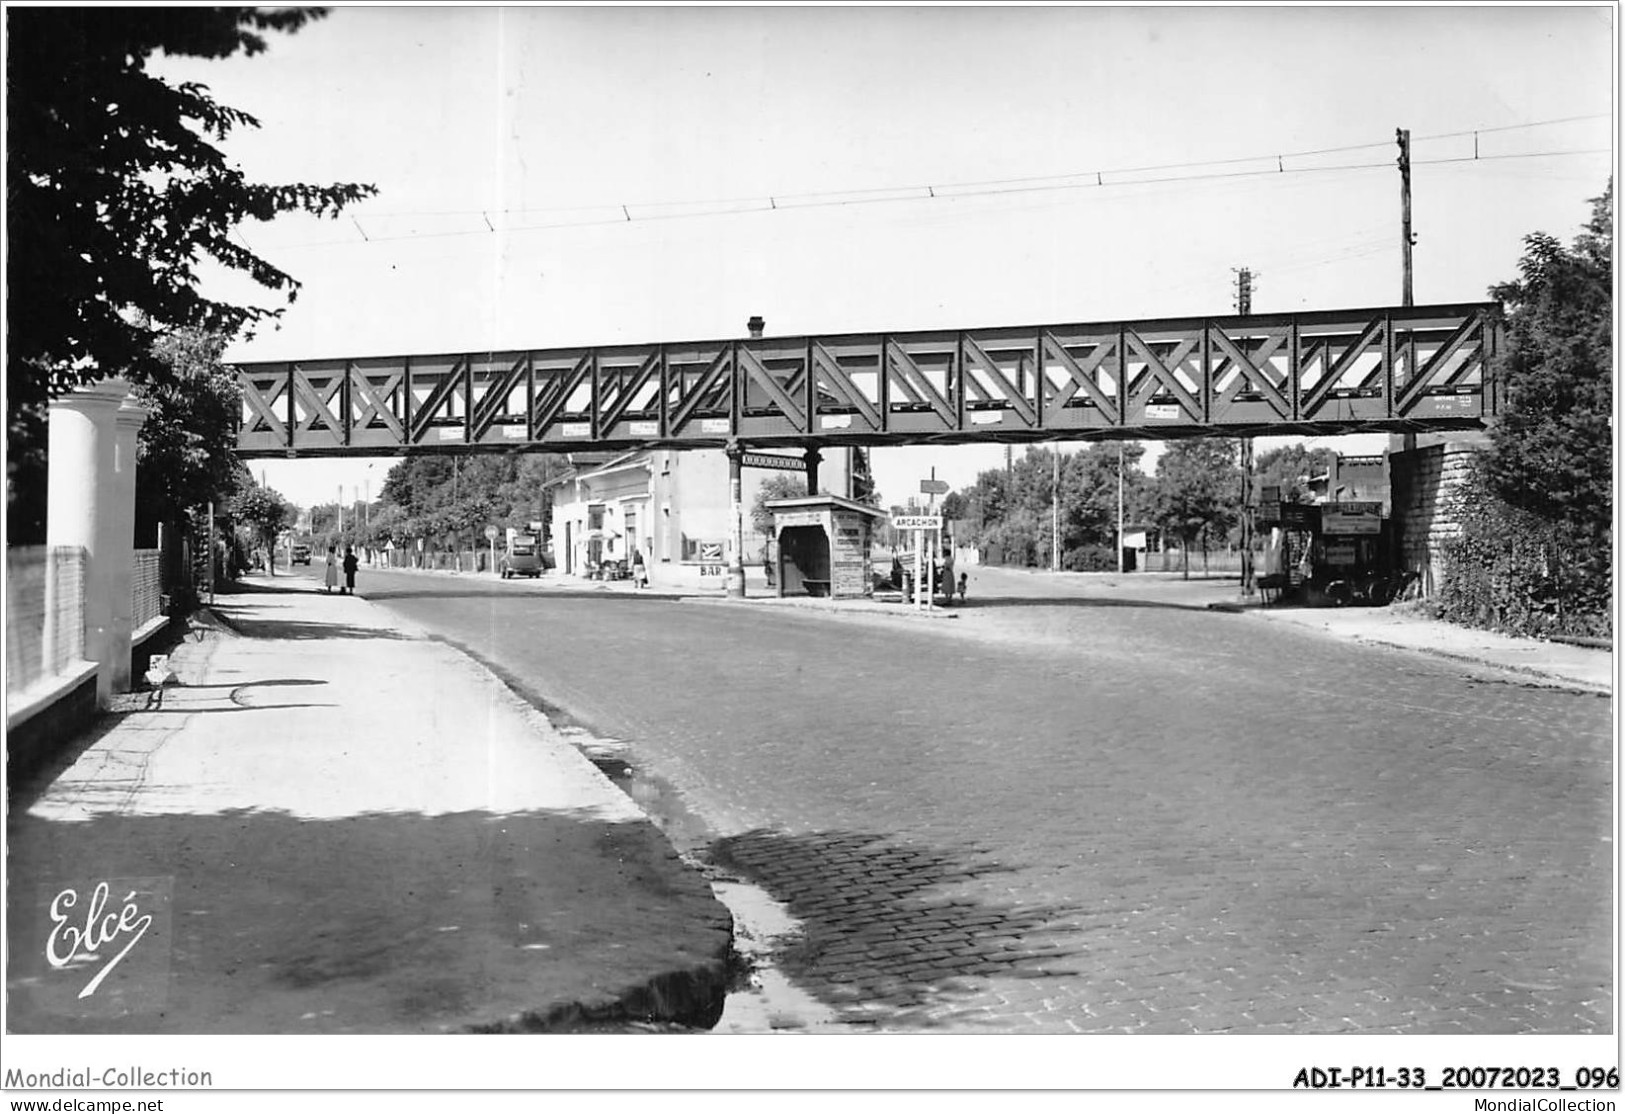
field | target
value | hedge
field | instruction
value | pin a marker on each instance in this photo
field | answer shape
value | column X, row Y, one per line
column 1514, row 572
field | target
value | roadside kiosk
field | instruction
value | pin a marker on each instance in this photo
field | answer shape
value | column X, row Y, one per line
column 1337, row 553
column 823, row 544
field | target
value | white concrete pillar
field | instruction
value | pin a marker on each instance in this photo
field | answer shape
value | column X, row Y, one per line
column 82, row 511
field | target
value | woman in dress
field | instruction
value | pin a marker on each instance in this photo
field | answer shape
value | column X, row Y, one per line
column 332, row 570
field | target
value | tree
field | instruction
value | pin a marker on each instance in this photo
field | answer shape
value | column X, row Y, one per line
column 1552, row 445
column 1289, row 467
column 1013, row 510
column 1089, row 493
column 263, row 511
column 116, row 194
column 1197, row 489
column 1534, row 552
column 780, row 485
column 507, row 489
column 413, row 483
column 185, row 456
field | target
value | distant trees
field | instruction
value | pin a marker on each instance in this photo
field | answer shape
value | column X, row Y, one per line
column 1198, row 491
column 1089, row 495
column 1015, row 511
column 449, row 499
column 262, row 512
column 1289, row 467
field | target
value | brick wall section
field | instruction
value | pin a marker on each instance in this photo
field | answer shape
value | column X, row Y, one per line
column 1429, row 487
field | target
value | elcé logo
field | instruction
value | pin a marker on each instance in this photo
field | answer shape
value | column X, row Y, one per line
column 79, row 937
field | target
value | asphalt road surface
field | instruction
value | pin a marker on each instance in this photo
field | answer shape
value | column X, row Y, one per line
column 1061, row 814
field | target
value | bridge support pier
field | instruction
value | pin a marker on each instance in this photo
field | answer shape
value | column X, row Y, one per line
column 736, row 520
column 814, row 458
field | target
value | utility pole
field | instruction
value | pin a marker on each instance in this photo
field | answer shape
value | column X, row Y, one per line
column 1244, row 307
column 1407, row 239
column 1244, row 290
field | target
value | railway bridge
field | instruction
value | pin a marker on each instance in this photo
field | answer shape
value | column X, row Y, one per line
column 1315, row 373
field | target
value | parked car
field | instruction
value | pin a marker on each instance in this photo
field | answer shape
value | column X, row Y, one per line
column 520, row 557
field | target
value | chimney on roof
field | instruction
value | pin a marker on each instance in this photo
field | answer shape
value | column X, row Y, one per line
column 756, row 325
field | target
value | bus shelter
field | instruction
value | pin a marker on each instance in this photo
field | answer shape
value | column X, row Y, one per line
column 823, row 546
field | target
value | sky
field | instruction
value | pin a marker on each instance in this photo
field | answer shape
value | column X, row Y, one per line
column 555, row 176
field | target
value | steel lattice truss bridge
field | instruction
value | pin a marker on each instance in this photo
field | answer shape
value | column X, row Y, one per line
column 1314, row 373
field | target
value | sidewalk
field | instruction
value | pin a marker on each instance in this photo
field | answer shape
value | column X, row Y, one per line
column 1400, row 627
column 341, row 826
column 1527, row 660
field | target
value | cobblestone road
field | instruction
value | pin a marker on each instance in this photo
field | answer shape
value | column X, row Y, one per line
column 1076, row 817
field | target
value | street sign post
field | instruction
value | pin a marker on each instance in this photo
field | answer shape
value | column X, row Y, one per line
column 921, row 525
column 917, row 521
column 491, row 539
column 933, row 487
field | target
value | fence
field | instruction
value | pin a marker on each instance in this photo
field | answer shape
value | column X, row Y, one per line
column 45, row 606
column 45, row 609
column 146, row 589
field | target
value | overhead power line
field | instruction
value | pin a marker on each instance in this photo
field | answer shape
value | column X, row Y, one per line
column 1219, row 169
column 623, row 214
column 961, row 189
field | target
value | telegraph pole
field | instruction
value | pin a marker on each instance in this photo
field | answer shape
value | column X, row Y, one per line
column 1407, row 239
column 1244, row 307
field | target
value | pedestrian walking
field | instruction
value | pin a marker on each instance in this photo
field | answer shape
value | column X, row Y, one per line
column 332, row 579
column 350, row 564
column 640, row 572
column 767, row 565
column 948, row 572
